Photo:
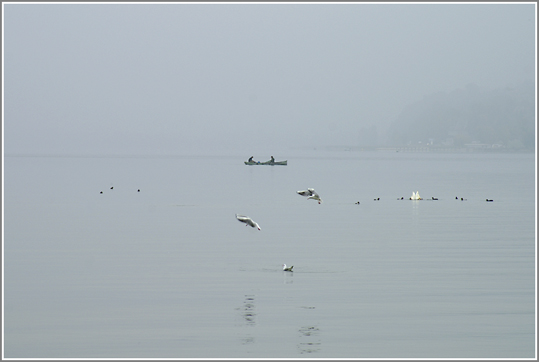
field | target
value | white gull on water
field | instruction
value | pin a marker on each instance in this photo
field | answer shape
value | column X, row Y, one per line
column 289, row 268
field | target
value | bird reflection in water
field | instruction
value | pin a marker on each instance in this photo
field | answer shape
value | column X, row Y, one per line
column 310, row 339
column 288, row 275
column 248, row 315
column 249, row 310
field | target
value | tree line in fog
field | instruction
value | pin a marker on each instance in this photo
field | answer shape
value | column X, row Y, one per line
column 471, row 116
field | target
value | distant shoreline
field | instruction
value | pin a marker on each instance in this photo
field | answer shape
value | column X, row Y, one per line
column 423, row 149
column 351, row 149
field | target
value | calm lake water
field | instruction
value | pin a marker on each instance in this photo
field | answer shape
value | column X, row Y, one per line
column 168, row 272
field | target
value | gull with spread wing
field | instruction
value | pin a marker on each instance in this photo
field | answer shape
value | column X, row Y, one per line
column 248, row 221
column 310, row 194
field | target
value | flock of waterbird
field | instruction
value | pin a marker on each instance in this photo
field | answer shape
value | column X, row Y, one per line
column 310, row 194
column 416, row 196
column 112, row 188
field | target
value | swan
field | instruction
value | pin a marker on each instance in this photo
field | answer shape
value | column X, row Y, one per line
column 415, row 196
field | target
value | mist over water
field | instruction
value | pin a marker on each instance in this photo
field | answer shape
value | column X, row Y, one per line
column 169, row 271
column 108, row 254
column 186, row 78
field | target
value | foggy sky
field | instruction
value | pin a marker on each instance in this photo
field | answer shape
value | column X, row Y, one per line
column 254, row 79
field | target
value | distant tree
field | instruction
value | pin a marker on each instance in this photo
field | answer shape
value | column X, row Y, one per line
column 502, row 116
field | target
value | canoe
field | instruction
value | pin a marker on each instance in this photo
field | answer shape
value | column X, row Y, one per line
column 282, row 163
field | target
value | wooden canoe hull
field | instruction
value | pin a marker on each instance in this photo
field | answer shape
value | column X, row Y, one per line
column 267, row 163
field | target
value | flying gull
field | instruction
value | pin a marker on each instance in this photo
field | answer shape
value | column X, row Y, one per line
column 247, row 220
column 310, row 194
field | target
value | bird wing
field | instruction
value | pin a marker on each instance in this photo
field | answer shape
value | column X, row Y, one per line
column 308, row 192
column 243, row 218
column 248, row 221
column 315, row 196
